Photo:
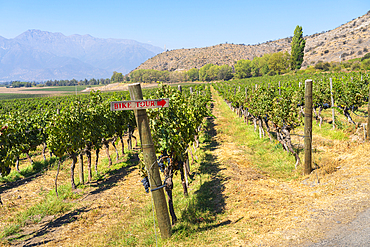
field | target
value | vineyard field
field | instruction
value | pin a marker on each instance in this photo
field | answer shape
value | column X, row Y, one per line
column 62, row 89
column 230, row 158
column 5, row 96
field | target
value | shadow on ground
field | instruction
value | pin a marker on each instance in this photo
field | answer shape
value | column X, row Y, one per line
column 113, row 176
column 31, row 172
column 209, row 200
column 41, row 236
column 46, row 232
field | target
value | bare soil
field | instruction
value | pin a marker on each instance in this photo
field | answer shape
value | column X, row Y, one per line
column 22, row 91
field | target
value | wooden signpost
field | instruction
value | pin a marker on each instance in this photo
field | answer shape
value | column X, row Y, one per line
column 150, row 159
column 139, row 104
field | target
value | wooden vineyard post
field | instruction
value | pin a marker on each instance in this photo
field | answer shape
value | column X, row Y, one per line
column 186, row 163
column 279, row 88
column 246, row 110
column 150, row 160
column 332, row 102
column 368, row 119
column 308, row 128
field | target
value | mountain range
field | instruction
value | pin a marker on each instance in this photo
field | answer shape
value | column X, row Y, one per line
column 348, row 41
column 39, row 55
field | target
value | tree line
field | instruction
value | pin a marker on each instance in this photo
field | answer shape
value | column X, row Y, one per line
column 49, row 83
column 269, row 64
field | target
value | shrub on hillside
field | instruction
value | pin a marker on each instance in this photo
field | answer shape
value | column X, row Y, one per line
column 365, row 64
column 322, row 66
column 356, row 66
column 367, row 55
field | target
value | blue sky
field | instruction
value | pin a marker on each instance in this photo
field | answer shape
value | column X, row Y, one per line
column 179, row 24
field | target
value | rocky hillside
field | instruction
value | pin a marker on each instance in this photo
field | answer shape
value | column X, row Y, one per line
column 345, row 42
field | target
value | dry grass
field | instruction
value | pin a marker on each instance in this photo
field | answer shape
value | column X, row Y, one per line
column 20, row 198
column 275, row 212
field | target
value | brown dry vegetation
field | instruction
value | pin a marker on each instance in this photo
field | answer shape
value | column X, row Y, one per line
column 244, row 202
column 22, row 91
column 350, row 40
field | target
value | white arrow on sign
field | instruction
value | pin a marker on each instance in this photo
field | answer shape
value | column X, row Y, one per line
column 139, row 104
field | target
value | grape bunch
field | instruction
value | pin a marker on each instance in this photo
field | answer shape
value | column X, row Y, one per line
column 353, row 108
column 161, row 164
column 161, row 159
column 146, row 184
column 325, row 106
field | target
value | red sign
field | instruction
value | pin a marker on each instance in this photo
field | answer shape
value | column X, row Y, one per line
column 139, row 104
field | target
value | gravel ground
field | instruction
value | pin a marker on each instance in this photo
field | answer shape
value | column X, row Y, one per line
column 355, row 233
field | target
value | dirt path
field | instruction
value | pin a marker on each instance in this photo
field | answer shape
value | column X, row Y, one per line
column 355, row 233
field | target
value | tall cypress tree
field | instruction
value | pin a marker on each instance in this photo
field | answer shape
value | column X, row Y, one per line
column 297, row 52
